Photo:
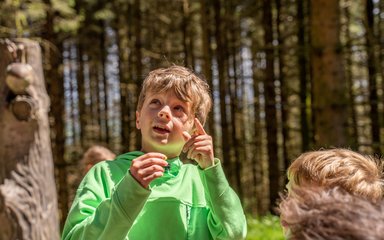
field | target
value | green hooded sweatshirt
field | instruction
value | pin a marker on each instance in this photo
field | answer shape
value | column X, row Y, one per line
column 185, row 203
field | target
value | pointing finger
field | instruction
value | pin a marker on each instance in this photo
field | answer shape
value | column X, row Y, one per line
column 199, row 127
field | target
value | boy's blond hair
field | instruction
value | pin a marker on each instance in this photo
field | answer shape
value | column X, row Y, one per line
column 357, row 174
column 187, row 86
column 94, row 155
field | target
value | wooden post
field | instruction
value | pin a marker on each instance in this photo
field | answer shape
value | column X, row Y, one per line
column 28, row 198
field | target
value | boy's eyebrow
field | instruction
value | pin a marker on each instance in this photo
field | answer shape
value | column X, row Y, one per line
column 182, row 101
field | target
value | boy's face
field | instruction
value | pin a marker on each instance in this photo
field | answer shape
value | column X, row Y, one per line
column 162, row 120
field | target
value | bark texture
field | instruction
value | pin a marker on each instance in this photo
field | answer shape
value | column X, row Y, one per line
column 28, row 200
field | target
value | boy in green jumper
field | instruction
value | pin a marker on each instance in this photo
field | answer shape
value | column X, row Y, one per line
column 151, row 194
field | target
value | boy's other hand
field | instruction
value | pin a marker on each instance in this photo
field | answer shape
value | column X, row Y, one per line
column 199, row 146
column 148, row 167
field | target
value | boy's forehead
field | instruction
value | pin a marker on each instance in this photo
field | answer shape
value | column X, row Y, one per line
column 170, row 93
column 167, row 93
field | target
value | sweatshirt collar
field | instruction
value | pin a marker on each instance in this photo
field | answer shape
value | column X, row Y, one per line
column 171, row 171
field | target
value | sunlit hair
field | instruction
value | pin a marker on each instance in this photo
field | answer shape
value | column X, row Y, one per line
column 358, row 174
column 94, row 155
column 187, row 86
column 316, row 214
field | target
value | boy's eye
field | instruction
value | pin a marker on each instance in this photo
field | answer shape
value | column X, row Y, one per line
column 179, row 108
column 154, row 101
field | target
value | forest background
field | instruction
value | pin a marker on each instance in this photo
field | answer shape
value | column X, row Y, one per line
column 287, row 76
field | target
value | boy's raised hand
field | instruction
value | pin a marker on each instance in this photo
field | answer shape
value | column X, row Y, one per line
column 148, row 167
column 199, row 146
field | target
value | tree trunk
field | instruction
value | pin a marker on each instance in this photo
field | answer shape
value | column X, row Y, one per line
column 94, row 90
column 81, row 94
column 28, row 199
column 186, row 34
column 235, row 107
column 372, row 72
column 259, row 186
column 270, row 108
column 103, row 64
column 348, row 76
column 222, row 66
column 72, row 118
column 284, row 88
column 329, row 92
column 207, row 56
column 124, row 69
column 380, row 34
column 303, row 72
column 139, row 67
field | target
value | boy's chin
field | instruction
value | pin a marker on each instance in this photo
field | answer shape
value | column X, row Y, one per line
column 170, row 150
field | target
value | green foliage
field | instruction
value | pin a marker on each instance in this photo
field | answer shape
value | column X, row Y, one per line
column 20, row 22
column 67, row 25
column 264, row 228
column 64, row 7
column 28, row 18
column 67, row 19
column 14, row 17
column 35, row 11
column 104, row 14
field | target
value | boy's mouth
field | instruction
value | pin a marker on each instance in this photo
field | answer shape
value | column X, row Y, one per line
column 161, row 129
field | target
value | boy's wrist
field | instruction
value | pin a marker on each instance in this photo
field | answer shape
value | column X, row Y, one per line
column 215, row 162
column 206, row 165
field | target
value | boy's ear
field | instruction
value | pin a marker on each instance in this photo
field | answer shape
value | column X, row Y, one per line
column 137, row 120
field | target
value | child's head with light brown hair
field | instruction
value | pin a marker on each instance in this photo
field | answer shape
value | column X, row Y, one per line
column 187, row 86
column 355, row 173
column 95, row 154
column 331, row 214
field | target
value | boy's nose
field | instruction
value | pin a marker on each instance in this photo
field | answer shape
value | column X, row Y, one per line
column 165, row 113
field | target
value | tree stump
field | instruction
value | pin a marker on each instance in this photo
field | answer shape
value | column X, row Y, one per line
column 28, row 198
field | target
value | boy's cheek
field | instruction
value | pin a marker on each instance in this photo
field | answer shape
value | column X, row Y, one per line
column 192, row 127
column 187, row 126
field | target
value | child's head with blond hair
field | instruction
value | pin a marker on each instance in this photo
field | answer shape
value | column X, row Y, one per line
column 95, row 154
column 170, row 102
column 186, row 85
column 355, row 173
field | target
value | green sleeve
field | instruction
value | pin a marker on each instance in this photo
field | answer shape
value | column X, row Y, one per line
column 226, row 219
column 102, row 210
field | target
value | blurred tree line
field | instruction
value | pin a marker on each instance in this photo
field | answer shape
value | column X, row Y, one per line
column 287, row 76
